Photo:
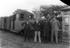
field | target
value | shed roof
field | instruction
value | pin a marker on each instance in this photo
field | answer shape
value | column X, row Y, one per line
column 66, row 9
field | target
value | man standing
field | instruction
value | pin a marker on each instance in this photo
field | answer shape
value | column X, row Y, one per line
column 46, row 31
column 37, row 31
column 55, row 29
column 27, row 30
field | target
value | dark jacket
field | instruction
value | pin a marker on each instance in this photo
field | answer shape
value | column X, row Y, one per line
column 37, row 26
column 28, row 30
column 47, row 28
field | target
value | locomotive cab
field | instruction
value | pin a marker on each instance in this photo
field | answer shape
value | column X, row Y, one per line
column 20, row 19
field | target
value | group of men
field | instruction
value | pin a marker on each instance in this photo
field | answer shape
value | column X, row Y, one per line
column 42, row 31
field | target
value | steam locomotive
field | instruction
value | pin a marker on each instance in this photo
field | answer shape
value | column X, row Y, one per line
column 15, row 22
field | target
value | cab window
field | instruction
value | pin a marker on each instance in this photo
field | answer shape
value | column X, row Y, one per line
column 21, row 17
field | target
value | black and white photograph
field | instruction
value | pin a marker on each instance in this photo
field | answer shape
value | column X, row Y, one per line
column 34, row 24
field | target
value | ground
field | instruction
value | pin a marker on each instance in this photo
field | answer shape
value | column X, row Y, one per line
column 9, row 40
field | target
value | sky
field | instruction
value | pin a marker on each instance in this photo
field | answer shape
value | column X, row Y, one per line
column 7, row 7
